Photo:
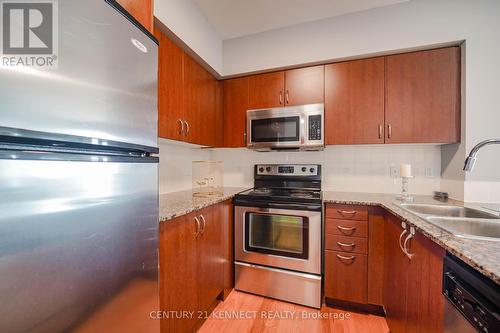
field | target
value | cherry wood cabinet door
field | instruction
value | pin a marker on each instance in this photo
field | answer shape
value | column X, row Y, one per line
column 425, row 311
column 423, row 97
column 141, row 10
column 170, row 88
column 178, row 272
column 219, row 116
column 210, row 261
column 235, row 111
column 354, row 102
column 266, row 90
column 228, row 245
column 376, row 237
column 200, row 99
column 395, row 277
column 345, row 276
column 305, row 85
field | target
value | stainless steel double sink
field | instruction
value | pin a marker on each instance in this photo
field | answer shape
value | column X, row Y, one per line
column 461, row 221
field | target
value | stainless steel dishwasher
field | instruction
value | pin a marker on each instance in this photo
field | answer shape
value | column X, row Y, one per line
column 473, row 300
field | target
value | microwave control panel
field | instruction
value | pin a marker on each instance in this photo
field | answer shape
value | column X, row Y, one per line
column 315, row 127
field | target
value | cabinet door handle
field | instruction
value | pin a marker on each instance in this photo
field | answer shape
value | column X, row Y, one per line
column 346, row 258
column 187, row 127
column 410, row 236
column 389, row 131
column 351, row 245
column 380, row 131
column 281, row 97
column 198, row 225
column 181, row 132
column 286, row 97
column 204, row 223
column 346, row 212
column 350, row 229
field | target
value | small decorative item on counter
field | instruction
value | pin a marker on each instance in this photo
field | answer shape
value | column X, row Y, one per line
column 441, row 196
column 207, row 178
column 405, row 172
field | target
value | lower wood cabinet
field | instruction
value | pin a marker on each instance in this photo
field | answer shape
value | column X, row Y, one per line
column 345, row 276
column 191, row 267
column 346, row 254
column 412, row 287
column 366, row 268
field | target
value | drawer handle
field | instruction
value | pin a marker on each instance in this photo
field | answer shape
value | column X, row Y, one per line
column 351, row 245
column 346, row 258
column 349, row 229
column 346, row 212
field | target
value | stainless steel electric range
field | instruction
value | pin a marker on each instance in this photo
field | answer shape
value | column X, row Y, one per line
column 278, row 234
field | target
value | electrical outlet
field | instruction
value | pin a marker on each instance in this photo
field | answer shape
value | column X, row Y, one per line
column 394, row 171
column 428, row 171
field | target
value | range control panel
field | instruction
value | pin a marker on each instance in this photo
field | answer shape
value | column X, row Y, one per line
column 287, row 169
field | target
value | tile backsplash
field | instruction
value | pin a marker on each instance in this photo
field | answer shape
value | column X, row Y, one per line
column 345, row 168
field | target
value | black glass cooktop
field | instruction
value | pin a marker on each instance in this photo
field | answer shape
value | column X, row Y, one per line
column 282, row 195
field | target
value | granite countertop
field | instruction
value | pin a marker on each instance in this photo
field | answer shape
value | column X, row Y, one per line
column 181, row 203
column 480, row 254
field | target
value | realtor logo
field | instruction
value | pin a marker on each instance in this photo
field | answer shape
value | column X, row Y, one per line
column 29, row 33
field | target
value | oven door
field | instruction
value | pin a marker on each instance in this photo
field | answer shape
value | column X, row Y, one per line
column 289, row 239
column 275, row 128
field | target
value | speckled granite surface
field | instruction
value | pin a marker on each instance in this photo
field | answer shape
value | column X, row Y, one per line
column 183, row 202
column 481, row 254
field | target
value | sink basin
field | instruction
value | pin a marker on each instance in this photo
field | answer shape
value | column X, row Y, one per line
column 468, row 227
column 448, row 211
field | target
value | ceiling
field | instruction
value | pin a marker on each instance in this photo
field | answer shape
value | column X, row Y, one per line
column 236, row 18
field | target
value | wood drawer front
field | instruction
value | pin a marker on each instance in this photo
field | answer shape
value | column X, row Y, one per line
column 347, row 212
column 346, row 244
column 346, row 276
column 351, row 228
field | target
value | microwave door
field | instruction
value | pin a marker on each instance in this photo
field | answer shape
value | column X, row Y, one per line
column 276, row 131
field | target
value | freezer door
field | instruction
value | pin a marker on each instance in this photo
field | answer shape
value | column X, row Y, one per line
column 104, row 88
column 78, row 245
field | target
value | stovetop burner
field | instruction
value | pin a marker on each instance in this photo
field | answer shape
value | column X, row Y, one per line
column 275, row 184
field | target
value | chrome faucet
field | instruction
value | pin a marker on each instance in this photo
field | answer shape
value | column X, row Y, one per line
column 471, row 159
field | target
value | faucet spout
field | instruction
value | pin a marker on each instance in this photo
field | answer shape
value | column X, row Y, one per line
column 470, row 161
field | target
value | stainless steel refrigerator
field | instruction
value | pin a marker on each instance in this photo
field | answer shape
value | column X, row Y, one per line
column 79, row 180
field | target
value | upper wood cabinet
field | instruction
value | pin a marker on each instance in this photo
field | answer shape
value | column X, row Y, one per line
column 235, row 110
column 354, row 102
column 189, row 97
column 266, row 90
column 287, row 88
column 423, row 96
column 200, row 103
column 170, row 89
column 305, row 85
column 141, row 10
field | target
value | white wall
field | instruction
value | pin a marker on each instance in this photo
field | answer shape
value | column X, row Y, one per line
column 188, row 23
column 345, row 168
column 408, row 25
column 175, row 171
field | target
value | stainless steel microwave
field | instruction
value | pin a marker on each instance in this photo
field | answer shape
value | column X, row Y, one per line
column 288, row 128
